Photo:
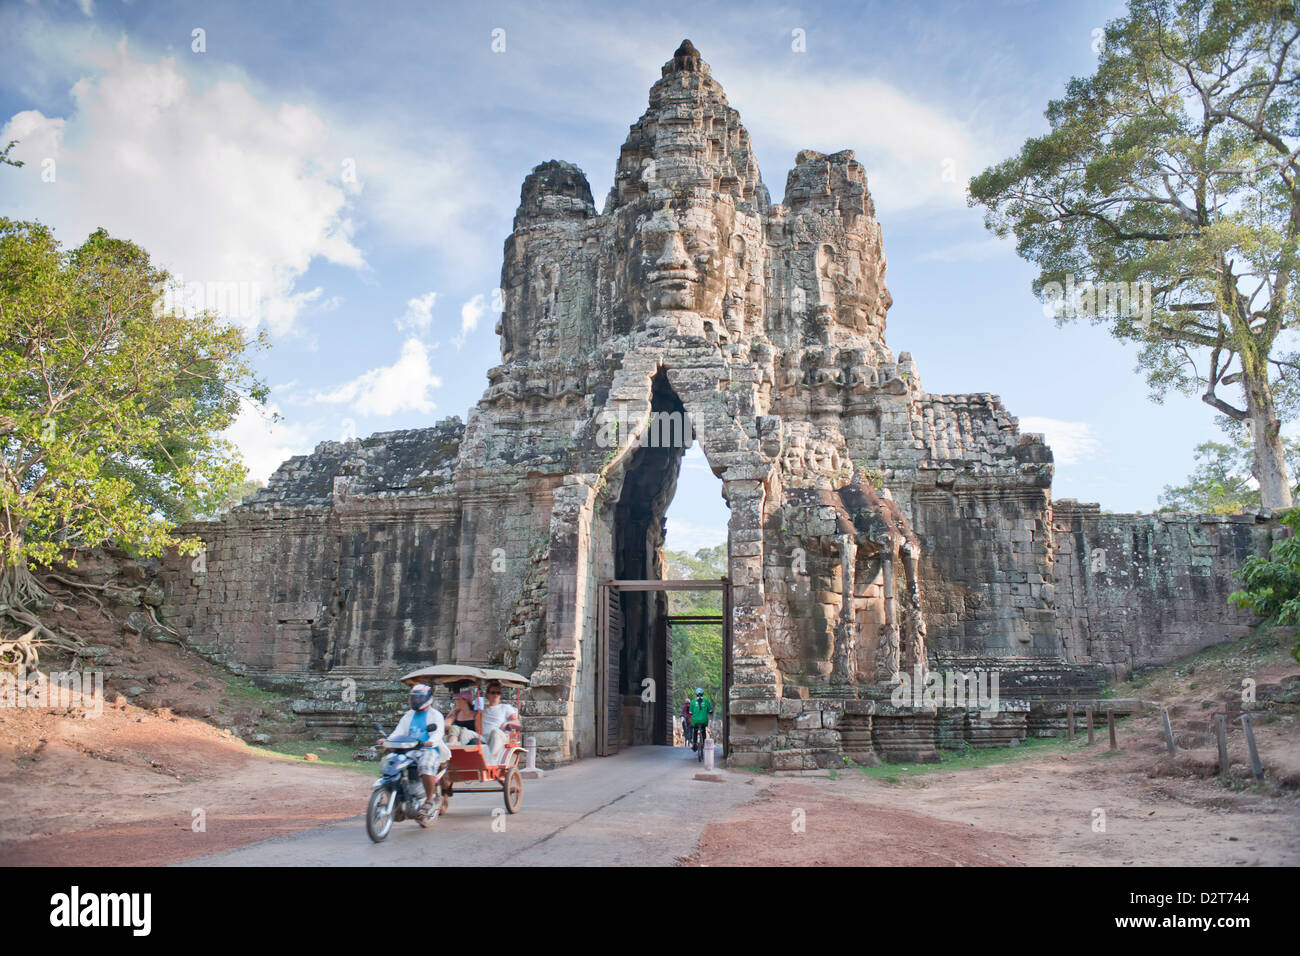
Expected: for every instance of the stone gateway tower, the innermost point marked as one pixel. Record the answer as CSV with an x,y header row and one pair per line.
x,y
874,528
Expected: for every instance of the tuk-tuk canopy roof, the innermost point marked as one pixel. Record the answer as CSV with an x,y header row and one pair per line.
x,y
455,673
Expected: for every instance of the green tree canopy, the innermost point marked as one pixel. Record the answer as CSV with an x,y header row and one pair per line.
x,y
111,408
1172,176
697,648
1271,586
1221,482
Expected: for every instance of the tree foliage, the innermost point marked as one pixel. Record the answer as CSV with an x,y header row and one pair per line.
x,y
1221,482
1271,586
1176,167
237,495
697,648
4,154
110,407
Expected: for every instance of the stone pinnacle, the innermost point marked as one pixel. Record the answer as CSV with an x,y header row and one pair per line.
x,y
686,59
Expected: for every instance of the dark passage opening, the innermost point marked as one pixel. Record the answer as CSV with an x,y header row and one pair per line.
x,y
660,602
648,488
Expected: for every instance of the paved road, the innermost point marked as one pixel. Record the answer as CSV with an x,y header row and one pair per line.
x,y
642,807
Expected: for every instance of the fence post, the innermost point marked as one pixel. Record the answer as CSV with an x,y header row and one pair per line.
x,y
1169,733
1088,713
1221,729
1255,765
1069,721
1110,725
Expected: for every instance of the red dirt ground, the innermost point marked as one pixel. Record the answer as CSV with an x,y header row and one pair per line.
x,y
122,789
1039,809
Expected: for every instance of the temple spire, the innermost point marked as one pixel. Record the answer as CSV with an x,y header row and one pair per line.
x,y
686,59
688,139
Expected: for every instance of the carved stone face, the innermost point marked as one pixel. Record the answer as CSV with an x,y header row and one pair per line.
x,y
679,259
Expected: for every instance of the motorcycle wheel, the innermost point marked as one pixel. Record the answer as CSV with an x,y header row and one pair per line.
x,y
379,814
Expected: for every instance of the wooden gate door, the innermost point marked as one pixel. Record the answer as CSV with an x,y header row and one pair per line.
x,y
726,667
609,703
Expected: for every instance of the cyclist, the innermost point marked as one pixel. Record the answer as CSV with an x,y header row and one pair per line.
x,y
701,710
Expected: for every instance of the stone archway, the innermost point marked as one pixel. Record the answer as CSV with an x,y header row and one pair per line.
x,y
872,524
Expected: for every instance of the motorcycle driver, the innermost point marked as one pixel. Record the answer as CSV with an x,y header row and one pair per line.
x,y
424,722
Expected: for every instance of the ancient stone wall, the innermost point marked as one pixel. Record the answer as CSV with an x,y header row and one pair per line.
x,y
1134,591
347,562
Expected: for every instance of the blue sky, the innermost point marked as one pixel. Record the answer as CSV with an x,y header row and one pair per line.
x,y
358,166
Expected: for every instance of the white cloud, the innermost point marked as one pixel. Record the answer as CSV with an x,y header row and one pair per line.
x,y
402,386
422,191
419,314
1071,442
914,153
470,313
220,181
263,443
218,186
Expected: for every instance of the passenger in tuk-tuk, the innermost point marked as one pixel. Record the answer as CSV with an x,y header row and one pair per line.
x,y
499,718
461,716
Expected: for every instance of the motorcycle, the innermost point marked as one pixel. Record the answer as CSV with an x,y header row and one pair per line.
x,y
399,792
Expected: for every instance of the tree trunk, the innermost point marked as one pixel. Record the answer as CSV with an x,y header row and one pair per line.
x,y
1269,467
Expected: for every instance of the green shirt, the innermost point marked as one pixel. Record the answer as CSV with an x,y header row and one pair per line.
x,y
700,708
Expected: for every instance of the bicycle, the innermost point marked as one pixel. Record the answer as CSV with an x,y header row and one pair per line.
x,y
698,736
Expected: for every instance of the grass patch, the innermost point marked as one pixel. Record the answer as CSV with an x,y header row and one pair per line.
x,y
1215,669
243,692
970,758
331,754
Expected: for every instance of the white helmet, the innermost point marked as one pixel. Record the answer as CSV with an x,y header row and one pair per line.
x,y
421,697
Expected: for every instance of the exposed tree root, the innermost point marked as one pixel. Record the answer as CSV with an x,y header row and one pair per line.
x,y
20,653
80,585
154,617
22,597
87,591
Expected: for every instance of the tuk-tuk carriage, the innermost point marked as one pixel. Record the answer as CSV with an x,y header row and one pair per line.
x,y
472,768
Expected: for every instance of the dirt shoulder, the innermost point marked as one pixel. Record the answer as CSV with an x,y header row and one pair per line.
x,y
1061,803
123,789
128,780
1036,812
